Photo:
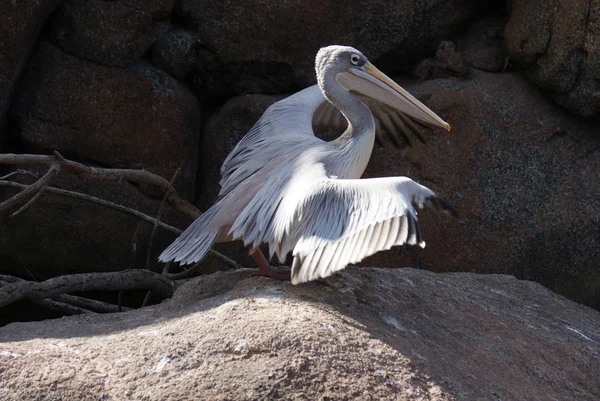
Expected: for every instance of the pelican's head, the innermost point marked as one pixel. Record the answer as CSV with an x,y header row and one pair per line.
x,y
353,72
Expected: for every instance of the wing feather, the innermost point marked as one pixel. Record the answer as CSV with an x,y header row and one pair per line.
x,y
328,223
283,127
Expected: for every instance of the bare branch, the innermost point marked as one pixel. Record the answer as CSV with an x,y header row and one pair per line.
x,y
94,199
157,221
31,190
114,281
228,261
91,305
61,307
89,198
21,172
106,174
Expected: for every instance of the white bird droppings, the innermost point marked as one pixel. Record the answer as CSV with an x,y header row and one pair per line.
x,y
241,346
161,364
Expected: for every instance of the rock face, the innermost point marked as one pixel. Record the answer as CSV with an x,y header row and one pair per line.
x,y
522,172
363,334
396,32
175,52
108,32
483,45
137,117
20,25
558,44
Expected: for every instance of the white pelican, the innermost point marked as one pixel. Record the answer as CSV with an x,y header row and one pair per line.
x,y
283,186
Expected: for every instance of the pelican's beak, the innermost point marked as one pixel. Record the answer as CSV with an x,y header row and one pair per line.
x,y
371,82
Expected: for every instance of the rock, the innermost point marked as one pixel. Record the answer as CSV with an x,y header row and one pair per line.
x,y
483,46
137,117
396,33
394,334
215,81
447,63
175,53
20,25
510,165
520,170
108,32
557,44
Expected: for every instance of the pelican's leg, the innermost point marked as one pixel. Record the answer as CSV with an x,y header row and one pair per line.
x,y
264,269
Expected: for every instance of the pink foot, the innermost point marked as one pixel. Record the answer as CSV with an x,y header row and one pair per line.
x,y
264,269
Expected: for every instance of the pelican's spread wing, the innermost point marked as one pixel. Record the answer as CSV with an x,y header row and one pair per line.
x,y
284,125
395,125
329,223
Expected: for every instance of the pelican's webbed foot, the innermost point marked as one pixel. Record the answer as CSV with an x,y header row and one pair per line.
x,y
265,270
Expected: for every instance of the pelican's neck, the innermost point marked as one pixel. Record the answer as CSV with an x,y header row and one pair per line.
x,y
360,119
355,145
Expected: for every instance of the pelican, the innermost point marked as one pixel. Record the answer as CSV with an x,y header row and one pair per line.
x,y
285,187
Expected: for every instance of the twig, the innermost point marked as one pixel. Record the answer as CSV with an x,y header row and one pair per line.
x,y
183,274
157,221
225,259
134,241
30,190
94,199
19,171
106,174
61,307
153,233
114,281
89,198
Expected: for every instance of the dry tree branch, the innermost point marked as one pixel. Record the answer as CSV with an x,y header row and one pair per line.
x,y
157,220
52,305
99,201
31,191
142,216
19,171
89,305
61,307
106,174
54,288
153,233
114,281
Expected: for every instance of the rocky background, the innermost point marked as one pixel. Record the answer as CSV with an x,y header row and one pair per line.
x,y
162,84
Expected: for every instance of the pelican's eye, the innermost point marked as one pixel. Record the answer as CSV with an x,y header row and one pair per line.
x,y
356,60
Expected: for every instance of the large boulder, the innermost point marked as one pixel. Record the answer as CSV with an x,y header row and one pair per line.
x,y
109,32
557,43
175,52
520,170
234,37
363,334
20,25
136,117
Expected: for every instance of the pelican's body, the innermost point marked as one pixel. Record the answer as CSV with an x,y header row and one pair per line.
x,y
283,186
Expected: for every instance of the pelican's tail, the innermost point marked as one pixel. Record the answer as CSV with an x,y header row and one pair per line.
x,y
195,242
